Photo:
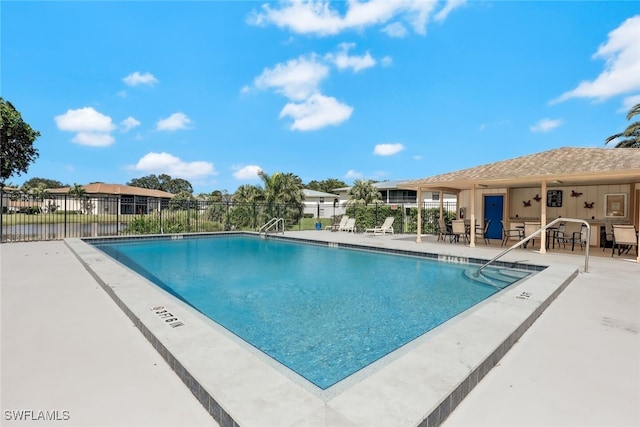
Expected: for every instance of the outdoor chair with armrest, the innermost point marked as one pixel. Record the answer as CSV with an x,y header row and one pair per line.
x,y
625,237
508,234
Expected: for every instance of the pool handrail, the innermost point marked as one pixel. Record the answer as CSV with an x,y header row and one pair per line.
x,y
273,222
534,234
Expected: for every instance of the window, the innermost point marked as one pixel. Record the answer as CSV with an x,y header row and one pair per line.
x,y
435,196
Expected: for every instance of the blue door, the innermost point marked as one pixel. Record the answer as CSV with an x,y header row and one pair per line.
x,y
493,207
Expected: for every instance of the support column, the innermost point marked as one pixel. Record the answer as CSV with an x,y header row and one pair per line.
x,y
543,217
472,234
419,236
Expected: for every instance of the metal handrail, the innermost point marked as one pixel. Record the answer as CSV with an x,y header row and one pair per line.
x,y
273,222
534,234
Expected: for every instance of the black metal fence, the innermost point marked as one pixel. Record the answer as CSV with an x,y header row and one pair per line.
x,y
53,217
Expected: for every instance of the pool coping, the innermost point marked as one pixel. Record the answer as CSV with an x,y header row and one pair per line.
x,y
420,386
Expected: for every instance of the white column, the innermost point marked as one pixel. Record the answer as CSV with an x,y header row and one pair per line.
x,y
419,236
543,217
472,238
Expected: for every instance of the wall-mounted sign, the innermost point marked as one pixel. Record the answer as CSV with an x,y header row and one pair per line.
x,y
615,205
554,198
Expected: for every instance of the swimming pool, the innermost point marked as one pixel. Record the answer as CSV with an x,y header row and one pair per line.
x,y
323,312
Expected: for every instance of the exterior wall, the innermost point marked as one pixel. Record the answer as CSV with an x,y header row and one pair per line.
x,y
515,211
572,207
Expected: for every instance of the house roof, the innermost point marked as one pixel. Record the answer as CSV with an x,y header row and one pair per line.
x,y
565,165
116,189
382,185
314,193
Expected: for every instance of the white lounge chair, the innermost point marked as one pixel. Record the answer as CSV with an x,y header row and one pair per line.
x,y
386,227
350,225
338,227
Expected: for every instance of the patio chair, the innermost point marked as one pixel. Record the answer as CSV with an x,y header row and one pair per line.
x,y
350,226
508,234
578,237
625,237
607,237
386,227
445,230
482,231
458,228
529,229
338,227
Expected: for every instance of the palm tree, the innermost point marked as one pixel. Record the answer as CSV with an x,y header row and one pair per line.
x,y
283,189
364,191
632,132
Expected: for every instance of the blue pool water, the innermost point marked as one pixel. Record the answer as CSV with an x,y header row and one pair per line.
x,y
323,312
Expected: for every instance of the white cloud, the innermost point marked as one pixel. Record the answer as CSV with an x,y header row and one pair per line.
x,y
297,79
446,10
351,174
317,16
621,74
387,149
129,123
395,30
316,112
92,127
417,157
159,163
342,60
386,61
176,121
93,139
136,79
628,103
84,119
545,125
247,173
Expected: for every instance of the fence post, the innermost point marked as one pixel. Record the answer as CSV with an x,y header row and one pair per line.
x,y
117,215
65,217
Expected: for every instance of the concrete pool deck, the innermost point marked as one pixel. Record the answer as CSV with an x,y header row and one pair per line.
x,y
66,346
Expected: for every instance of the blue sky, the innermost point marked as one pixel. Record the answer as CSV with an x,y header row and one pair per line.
x,y
212,91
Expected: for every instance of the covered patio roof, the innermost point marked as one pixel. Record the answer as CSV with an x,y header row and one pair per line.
x,y
561,166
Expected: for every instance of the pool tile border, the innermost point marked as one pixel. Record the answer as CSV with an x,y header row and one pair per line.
x,y
318,412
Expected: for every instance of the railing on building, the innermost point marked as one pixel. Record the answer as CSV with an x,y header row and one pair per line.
x,y
53,217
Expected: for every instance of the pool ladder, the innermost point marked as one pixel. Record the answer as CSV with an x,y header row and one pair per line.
x,y
277,223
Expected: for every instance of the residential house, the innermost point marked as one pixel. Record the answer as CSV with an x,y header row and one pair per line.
x,y
101,198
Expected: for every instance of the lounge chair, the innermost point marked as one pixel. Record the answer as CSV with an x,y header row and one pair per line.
x,y
350,225
386,227
625,237
338,227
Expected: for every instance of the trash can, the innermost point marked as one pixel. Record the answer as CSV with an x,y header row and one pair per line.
x,y
318,225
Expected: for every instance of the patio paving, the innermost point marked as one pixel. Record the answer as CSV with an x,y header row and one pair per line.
x,y
66,346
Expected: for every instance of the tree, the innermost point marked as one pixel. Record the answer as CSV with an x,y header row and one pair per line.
x,y
282,188
17,139
364,191
80,194
163,182
632,132
327,185
41,183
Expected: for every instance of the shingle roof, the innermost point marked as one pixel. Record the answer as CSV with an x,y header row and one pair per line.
x,y
563,164
116,189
